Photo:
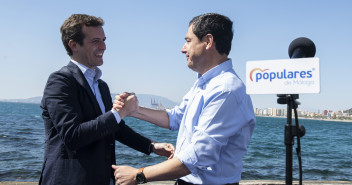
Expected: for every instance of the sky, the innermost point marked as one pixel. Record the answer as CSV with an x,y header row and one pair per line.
x,y
144,41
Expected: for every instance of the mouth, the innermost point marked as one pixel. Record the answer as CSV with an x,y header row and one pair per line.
x,y
99,55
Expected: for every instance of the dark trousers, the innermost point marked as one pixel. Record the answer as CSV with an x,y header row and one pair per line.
x,y
182,182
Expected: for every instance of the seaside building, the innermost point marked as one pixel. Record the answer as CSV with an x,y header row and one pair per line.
x,y
325,114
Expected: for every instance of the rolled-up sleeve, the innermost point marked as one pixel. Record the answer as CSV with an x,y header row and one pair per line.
x,y
196,156
176,114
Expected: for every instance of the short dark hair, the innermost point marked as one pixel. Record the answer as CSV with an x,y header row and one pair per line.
x,y
218,25
71,29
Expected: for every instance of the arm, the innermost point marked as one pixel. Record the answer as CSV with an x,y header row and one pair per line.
x,y
157,117
167,170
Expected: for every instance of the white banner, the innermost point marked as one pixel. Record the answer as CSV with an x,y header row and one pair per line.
x,y
287,76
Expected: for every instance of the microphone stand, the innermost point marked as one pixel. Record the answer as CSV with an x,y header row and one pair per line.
x,y
290,132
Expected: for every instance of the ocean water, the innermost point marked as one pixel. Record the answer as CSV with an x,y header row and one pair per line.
x,y
326,147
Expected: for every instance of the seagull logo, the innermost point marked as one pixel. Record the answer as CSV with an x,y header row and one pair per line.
x,y
256,69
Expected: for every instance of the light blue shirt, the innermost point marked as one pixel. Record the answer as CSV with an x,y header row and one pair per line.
x,y
92,77
215,122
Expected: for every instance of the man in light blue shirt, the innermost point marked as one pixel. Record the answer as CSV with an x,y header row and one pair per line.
x,y
215,119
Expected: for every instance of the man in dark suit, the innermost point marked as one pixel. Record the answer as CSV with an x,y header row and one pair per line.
x,y
80,125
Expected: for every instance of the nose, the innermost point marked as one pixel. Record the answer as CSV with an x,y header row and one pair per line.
x,y
183,49
102,45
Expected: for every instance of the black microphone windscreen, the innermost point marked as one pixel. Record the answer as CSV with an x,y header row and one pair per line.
x,y
304,44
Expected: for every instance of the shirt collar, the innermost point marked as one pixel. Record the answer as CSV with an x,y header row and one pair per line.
x,y
215,71
96,73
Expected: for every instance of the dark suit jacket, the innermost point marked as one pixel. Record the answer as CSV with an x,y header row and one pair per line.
x,y
79,139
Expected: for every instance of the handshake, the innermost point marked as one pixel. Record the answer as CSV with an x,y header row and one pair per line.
x,y
126,104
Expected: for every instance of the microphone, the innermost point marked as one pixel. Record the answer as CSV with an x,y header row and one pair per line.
x,y
301,48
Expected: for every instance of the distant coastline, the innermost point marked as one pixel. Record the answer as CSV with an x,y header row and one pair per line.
x,y
145,101
335,120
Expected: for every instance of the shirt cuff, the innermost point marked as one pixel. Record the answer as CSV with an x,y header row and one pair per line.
x,y
151,146
117,116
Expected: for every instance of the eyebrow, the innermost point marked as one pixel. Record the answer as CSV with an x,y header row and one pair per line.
x,y
97,38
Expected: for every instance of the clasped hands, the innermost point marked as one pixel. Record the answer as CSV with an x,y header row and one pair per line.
x,y
126,104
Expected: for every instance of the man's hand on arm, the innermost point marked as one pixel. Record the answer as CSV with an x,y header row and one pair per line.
x,y
125,175
167,170
163,149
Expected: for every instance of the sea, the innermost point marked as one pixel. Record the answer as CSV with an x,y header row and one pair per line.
x,y
326,148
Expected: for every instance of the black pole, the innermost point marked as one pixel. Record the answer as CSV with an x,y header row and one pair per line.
x,y
289,141
299,48
290,131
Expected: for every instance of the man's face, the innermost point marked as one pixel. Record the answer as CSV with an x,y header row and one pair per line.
x,y
194,50
90,53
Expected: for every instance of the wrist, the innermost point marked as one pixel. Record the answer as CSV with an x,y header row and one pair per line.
x,y
121,113
135,113
152,147
140,177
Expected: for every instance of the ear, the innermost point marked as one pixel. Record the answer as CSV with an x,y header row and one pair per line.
x,y
209,40
73,45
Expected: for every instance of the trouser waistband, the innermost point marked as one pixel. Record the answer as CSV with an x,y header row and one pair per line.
x,y
182,182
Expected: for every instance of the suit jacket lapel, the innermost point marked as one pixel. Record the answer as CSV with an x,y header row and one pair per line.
x,y
105,95
78,75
